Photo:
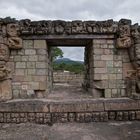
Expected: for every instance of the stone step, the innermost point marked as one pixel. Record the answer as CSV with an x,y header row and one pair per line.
x,y
85,110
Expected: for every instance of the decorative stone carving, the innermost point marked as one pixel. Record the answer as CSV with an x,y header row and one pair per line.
x,y
4,72
4,52
63,27
12,29
124,42
15,43
124,39
133,84
59,27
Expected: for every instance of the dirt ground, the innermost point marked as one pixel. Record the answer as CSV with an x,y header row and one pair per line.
x,y
68,91
71,131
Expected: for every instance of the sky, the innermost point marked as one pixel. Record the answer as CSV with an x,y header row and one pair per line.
x,y
71,10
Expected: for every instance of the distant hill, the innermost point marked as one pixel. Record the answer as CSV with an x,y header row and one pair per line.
x,y
67,61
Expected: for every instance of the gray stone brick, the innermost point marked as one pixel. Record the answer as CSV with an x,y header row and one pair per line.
x,y
34,85
30,64
20,72
13,52
41,71
112,76
99,64
106,57
42,57
30,52
118,70
112,84
24,58
20,65
96,57
111,46
117,63
100,70
27,44
21,52
119,76
41,51
107,93
104,46
98,51
41,65
33,58
17,58
110,41
40,44
31,71
109,63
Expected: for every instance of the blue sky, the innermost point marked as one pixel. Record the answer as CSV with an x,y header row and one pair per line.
x,y
71,10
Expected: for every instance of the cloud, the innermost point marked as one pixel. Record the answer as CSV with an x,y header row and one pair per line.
x,y
74,53
71,10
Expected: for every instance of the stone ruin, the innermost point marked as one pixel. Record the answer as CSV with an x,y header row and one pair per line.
x,y
112,62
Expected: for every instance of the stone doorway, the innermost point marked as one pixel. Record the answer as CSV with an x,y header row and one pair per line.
x,y
66,84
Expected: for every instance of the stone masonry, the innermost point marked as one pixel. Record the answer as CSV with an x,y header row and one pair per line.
x,y
112,50
30,70
67,77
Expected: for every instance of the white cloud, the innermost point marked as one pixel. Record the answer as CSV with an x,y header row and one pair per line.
x,y
74,53
71,10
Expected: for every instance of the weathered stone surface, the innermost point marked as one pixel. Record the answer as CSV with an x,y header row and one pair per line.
x,y
76,107
4,52
124,104
5,90
24,106
12,29
40,44
4,73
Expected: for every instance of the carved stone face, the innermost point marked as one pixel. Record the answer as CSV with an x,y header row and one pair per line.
x,y
12,29
4,52
124,42
3,72
124,30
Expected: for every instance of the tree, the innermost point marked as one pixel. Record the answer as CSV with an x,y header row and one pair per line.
x,y
56,53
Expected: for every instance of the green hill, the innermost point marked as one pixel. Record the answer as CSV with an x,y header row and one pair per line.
x,y
69,65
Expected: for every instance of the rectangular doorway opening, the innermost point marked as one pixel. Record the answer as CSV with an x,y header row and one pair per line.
x,y
69,71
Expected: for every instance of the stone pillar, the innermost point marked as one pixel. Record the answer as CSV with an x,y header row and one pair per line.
x,y
30,77
107,68
5,80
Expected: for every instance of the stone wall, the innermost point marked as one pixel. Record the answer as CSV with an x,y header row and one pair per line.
x,y
67,77
30,69
112,56
46,112
106,69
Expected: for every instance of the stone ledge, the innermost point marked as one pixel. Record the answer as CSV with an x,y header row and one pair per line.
x,y
71,105
53,111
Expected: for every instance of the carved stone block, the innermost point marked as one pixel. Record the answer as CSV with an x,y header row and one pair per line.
x,y
12,29
80,117
15,43
71,117
124,31
124,42
4,72
112,115
4,52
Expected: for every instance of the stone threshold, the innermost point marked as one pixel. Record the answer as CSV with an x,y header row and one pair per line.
x,y
71,110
